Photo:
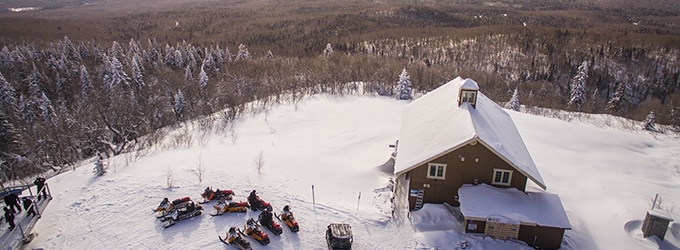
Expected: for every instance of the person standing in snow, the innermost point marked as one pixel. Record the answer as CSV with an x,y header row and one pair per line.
x,y
11,200
9,217
39,184
27,206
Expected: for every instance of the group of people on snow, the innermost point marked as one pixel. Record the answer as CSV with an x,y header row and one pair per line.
x,y
12,202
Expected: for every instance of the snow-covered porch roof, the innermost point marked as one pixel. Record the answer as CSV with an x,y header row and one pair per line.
x,y
540,208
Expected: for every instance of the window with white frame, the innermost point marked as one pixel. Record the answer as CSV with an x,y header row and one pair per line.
x,y
502,177
436,171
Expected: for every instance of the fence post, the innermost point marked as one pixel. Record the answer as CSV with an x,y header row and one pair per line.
x,y
313,200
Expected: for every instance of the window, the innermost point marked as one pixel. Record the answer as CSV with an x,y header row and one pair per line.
x,y
469,96
436,171
502,177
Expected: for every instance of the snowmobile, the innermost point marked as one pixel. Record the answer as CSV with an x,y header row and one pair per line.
x,y
267,221
210,194
254,231
236,240
166,207
339,236
289,219
230,207
256,203
182,211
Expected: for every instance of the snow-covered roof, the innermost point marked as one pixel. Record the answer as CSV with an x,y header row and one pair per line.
x,y
434,125
540,208
660,214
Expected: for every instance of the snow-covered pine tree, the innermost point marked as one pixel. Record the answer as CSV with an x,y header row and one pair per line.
x,y
328,51
218,55
243,53
203,79
208,62
620,98
179,59
47,110
648,123
118,77
513,104
8,95
404,90
86,87
227,55
169,55
188,75
27,109
180,104
578,86
117,52
137,72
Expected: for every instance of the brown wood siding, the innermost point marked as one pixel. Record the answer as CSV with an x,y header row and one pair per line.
x,y
461,172
541,237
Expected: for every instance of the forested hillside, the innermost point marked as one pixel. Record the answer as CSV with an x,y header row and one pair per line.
x,y
73,85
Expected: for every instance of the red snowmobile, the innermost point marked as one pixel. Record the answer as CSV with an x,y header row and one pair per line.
x,y
266,219
210,194
256,203
288,218
252,228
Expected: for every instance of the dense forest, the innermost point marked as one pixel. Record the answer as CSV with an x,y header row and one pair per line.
x,y
65,99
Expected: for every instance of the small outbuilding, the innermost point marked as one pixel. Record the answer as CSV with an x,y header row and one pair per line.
x,y
656,223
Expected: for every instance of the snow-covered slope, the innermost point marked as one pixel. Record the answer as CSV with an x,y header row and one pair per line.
x,y
605,179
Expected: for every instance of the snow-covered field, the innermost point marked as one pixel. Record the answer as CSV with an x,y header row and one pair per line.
x,y
606,179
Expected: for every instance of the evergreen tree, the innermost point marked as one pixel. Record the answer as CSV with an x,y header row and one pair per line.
x,y
203,81
137,72
578,86
27,109
620,99
243,53
180,104
648,123
513,104
219,57
227,55
404,90
7,94
208,62
179,59
188,76
47,110
169,55
86,88
116,77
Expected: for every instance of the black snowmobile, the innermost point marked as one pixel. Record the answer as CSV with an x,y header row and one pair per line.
x,y
181,211
237,241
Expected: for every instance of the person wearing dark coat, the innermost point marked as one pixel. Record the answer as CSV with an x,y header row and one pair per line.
x,y
14,202
11,200
27,206
9,217
39,184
